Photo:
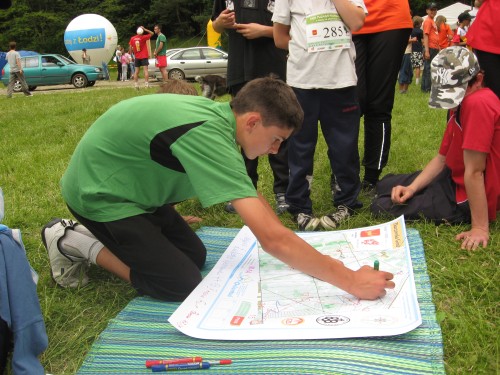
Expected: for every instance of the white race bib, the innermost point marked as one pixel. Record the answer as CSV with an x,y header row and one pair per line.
x,y
325,32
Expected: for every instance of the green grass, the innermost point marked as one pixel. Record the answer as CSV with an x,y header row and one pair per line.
x,y
39,134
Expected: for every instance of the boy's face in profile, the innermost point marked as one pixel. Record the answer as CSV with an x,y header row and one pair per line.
x,y
263,140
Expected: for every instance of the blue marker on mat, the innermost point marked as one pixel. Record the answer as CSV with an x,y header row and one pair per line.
x,y
376,264
181,366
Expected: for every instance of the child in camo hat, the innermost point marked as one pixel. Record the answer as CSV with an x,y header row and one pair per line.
x,y
461,184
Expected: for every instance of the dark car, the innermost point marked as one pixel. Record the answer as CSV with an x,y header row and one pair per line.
x,y
52,69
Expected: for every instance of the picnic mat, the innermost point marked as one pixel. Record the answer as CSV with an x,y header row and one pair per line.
x,y
141,332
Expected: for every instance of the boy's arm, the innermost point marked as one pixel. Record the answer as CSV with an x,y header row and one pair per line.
x,y
475,165
281,34
352,15
400,194
282,243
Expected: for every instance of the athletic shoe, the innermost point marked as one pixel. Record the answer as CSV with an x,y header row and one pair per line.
x,y
229,208
368,188
281,205
306,222
336,218
67,271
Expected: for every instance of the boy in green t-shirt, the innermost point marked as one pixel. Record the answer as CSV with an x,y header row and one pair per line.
x,y
147,153
160,51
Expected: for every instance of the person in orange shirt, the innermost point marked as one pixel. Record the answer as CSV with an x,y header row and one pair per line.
x,y
380,46
431,45
444,32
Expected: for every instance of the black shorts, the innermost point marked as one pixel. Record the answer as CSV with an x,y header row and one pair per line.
x,y
164,254
437,202
141,62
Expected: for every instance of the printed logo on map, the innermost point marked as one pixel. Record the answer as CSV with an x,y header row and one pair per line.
x,y
332,320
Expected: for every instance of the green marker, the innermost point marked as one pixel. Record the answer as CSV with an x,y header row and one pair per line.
x,y
375,265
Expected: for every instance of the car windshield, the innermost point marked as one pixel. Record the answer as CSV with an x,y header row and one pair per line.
x,y
66,60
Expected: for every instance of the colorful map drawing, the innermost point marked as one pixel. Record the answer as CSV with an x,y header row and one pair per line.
x,y
250,295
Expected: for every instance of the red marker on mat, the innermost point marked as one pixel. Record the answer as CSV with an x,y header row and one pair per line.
x,y
152,362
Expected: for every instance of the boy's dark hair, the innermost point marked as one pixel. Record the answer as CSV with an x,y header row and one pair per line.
x,y
273,99
12,45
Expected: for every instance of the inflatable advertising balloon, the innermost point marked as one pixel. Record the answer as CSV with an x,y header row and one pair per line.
x,y
94,33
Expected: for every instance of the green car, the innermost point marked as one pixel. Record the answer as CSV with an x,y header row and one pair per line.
x,y
52,69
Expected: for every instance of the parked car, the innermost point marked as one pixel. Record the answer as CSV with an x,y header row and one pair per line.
x,y
187,63
153,70
53,69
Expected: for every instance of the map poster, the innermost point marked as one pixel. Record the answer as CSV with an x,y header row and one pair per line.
x,y
250,295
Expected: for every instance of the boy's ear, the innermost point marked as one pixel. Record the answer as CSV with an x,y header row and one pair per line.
x,y
253,118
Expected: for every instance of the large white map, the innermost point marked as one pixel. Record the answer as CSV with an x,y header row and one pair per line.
x,y
250,295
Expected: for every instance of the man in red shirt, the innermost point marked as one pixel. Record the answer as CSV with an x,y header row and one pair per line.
x,y
139,46
431,45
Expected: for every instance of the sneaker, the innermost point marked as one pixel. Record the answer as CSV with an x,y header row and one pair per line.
x,y
66,270
333,220
368,188
306,222
229,208
146,85
281,205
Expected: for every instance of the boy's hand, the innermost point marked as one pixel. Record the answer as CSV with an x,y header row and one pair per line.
x,y
250,30
400,194
370,284
226,19
473,238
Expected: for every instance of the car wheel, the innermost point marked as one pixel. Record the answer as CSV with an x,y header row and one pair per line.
x,y
176,74
17,86
79,80
91,83
31,88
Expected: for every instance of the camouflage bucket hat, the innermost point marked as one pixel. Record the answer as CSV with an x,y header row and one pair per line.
x,y
451,70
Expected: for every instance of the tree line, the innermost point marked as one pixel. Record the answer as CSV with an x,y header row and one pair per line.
x,y
39,25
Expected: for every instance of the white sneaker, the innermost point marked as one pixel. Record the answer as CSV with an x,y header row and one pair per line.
x,y
307,222
67,270
333,220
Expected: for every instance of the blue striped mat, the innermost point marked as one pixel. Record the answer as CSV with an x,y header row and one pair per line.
x,y
141,332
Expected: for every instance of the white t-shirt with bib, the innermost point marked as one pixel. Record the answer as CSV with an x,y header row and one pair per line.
x,y
321,51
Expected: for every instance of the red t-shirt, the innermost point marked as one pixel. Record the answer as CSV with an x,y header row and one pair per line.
x,y
139,45
430,29
478,130
484,33
383,16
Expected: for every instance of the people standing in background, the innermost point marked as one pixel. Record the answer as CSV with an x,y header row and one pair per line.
x,y
85,57
406,71
138,45
252,54
124,62
460,38
484,37
380,46
160,52
16,71
431,45
118,60
417,56
444,32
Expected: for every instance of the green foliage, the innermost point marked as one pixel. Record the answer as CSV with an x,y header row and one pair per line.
x,y
40,133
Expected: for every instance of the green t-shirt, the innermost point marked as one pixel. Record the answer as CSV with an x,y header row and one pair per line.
x,y
163,50
153,150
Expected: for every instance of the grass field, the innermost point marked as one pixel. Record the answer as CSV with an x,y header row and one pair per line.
x,y
39,134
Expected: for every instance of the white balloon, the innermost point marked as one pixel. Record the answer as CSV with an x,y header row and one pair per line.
x,y
93,32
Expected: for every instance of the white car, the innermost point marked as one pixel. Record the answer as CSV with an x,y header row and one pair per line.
x,y
187,63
